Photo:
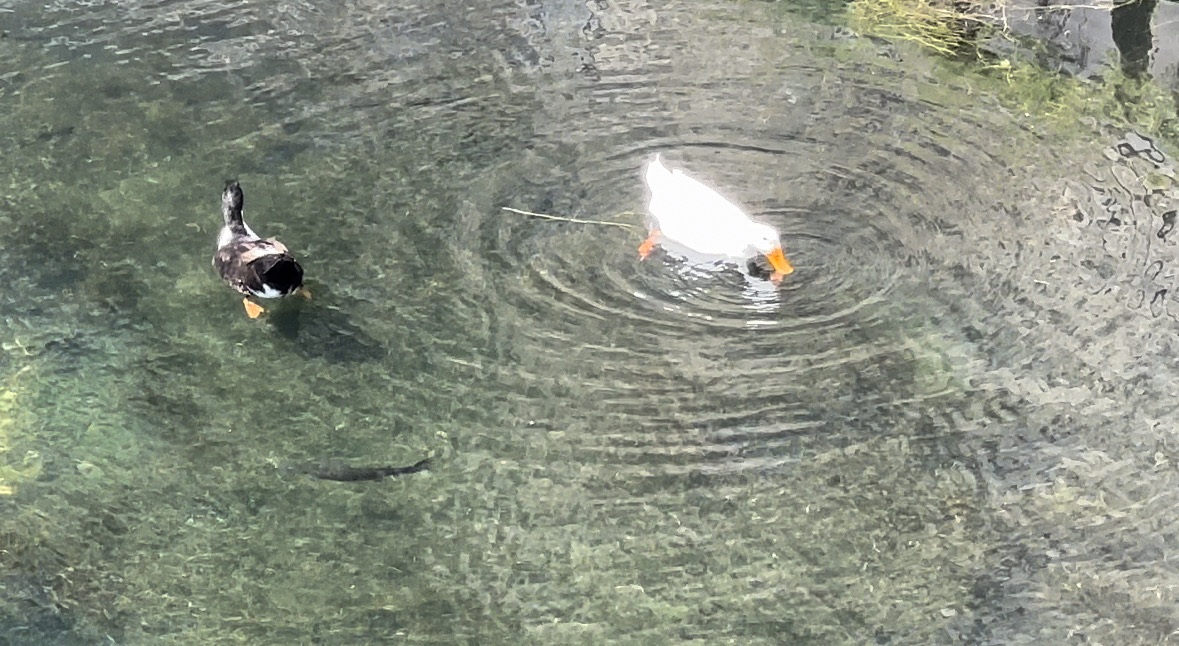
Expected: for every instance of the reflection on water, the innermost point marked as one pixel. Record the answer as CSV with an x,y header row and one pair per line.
x,y
950,423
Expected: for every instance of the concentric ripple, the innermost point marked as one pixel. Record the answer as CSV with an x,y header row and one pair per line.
x,y
710,368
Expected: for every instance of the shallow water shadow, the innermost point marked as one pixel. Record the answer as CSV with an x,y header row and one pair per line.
x,y
327,333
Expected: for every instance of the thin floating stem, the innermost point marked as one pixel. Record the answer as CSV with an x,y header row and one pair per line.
x,y
561,219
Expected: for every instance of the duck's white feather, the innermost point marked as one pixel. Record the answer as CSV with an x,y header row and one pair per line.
x,y
226,235
691,214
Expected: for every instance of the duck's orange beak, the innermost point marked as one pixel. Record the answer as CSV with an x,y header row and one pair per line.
x,y
779,263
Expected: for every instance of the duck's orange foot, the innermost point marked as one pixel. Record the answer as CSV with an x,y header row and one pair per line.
x,y
305,293
253,310
649,244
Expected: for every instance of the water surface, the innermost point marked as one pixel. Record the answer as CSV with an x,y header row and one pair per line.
x,y
952,423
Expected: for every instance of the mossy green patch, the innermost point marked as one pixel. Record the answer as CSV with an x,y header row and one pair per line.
x,y
1016,78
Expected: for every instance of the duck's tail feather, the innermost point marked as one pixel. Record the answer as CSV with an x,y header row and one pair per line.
x,y
281,272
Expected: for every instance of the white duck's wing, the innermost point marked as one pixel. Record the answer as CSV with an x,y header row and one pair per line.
x,y
692,214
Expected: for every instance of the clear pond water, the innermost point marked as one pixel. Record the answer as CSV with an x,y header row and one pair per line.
x,y
953,424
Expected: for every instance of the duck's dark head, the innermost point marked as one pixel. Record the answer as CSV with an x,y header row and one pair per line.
x,y
232,202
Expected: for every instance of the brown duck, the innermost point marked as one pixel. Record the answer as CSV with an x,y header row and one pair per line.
x,y
262,268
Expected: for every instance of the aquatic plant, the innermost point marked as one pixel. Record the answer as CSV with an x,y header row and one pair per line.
x,y
932,24
993,60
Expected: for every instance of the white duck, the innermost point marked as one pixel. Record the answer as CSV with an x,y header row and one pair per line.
x,y
687,213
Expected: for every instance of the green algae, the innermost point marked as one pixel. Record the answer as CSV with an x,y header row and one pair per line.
x,y
1017,78
931,24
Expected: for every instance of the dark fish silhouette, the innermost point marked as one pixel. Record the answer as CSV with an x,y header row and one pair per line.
x,y
341,472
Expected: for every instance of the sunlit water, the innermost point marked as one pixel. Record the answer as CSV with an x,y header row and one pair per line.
x,y
952,423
